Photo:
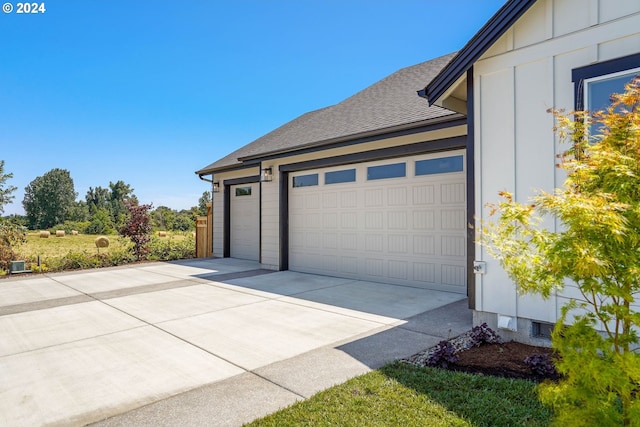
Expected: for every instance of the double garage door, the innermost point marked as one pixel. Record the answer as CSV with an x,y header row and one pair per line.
x,y
399,221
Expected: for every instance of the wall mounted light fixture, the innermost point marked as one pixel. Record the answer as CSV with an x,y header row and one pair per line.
x,y
266,174
216,187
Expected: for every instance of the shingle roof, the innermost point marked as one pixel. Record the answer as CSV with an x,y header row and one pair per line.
x,y
385,105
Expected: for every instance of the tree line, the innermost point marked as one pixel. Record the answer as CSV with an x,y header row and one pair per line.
x,y
50,201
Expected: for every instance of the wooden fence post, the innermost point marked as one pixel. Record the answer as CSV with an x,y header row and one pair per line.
x,y
201,237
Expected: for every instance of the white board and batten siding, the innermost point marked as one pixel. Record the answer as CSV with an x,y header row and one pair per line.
x,y
527,71
408,230
245,221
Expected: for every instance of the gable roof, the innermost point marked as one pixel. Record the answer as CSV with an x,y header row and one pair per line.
x,y
499,23
385,106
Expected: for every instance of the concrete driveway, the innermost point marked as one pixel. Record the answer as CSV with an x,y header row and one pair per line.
x,y
198,342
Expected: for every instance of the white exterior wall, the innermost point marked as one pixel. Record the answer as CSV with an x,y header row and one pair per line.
x,y
270,221
527,71
270,191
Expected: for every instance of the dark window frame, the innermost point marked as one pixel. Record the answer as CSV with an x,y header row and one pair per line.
x,y
600,69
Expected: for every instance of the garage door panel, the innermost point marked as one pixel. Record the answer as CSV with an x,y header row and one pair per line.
x,y
397,220
453,219
245,221
452,193
424,195
406,230
349,199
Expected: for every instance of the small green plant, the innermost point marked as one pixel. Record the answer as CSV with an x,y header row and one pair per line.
x,y
597,249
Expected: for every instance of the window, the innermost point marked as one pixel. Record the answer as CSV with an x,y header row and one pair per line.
x,y
336,177
441,165
305,180
243,191
599,89
594,84
396,170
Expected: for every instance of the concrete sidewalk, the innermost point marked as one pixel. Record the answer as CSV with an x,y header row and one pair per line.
x,y
200,342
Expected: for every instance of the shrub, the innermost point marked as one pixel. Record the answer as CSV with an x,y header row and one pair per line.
x,y
171,249
483,334
541,364
10,236
120,256
443,355
137,227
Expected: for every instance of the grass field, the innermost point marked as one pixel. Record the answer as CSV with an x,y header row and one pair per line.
x,y
57,246
79,251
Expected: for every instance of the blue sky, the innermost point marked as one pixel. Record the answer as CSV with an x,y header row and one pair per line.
x,y
148,92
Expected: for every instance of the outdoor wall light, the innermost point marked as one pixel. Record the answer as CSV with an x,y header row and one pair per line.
x,y
216,187
266,174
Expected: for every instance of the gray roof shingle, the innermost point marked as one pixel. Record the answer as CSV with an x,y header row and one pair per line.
x,y
389,103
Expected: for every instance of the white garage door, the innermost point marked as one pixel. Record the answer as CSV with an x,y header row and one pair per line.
x,y
245,220
399,221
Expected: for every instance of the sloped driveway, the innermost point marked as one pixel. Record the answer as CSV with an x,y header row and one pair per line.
x,y
211,342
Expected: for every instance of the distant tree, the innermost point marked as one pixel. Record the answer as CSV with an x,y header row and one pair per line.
x,y
184,221
121,194
101,223
49,198
202,203
16,219
163,218
137,227
79,212
5,191
98,198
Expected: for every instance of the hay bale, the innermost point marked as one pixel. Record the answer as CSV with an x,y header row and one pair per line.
x,y
74,232
44,234
102,242
59,233
162,233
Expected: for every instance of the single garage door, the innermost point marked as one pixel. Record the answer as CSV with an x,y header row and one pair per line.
x,y
399,221
245,221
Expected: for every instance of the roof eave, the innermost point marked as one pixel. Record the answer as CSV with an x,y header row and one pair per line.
x,y
226,168
499,23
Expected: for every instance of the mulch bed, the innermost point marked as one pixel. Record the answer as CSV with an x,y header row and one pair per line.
x,y
502,360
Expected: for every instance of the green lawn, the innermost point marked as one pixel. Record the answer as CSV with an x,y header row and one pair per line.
x,y
403,395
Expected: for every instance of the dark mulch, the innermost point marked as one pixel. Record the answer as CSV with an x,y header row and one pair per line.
x,y
502,360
